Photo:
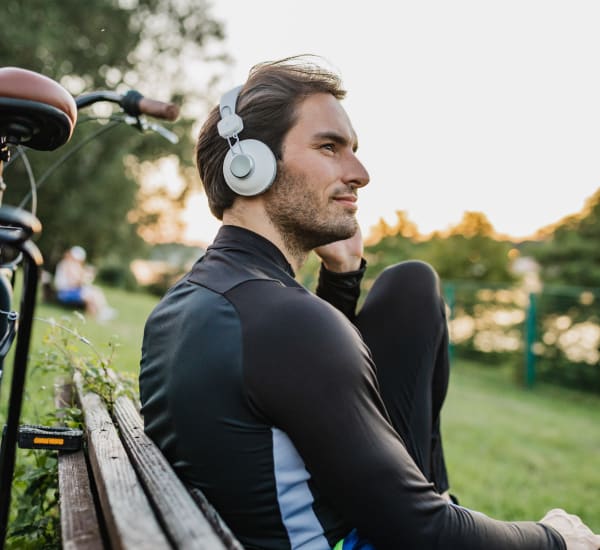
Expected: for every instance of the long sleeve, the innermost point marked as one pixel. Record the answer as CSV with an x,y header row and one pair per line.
x,y
438,463
321,390
341,290
439,389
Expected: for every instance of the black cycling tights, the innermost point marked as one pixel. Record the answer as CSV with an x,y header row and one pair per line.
x,y
403,321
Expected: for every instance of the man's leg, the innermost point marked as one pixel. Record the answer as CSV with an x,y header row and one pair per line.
x,y
403,322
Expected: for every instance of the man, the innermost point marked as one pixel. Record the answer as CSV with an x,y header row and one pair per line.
x,y
264,395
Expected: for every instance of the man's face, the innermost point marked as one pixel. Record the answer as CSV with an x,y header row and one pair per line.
x,y
313,200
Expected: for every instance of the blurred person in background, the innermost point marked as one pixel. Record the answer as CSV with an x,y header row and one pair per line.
x,y
73,284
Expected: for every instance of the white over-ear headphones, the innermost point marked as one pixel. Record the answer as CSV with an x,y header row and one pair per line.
x,y
250,165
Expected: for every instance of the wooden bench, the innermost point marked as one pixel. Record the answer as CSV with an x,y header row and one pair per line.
x,y
120,491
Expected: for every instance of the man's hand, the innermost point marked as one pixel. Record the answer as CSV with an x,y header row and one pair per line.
x,y
576,534
342,256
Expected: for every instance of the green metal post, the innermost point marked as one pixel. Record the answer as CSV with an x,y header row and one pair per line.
x,y
530,338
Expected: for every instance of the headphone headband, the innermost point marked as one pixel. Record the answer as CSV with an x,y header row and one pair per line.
x,y
230,124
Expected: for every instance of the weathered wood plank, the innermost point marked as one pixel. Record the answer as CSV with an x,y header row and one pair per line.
x,y
130,521
78,520
187,526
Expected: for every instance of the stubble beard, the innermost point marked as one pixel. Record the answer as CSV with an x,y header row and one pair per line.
x,y
304,223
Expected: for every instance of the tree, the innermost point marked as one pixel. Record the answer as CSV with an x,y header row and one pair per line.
x,y
471,252
473,224
567,310
468,251
168,49
571,255
403,227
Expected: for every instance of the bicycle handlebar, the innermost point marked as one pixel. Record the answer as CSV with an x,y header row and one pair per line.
x,y
133,103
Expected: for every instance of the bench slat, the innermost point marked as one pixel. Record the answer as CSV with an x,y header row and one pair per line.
x,y
78,520
185,523
79,523
130,521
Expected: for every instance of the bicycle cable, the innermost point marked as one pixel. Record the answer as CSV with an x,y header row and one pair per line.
x,y
66,156
33,190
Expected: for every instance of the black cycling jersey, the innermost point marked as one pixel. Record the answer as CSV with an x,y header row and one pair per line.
x,y
265,397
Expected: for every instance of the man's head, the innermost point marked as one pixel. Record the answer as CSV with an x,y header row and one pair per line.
x,y
295,110
268,106
78,253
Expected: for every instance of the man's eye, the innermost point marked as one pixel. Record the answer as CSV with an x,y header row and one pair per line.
x,y
328,146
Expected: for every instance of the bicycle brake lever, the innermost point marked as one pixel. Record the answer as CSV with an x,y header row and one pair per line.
x,y
162,131
142,124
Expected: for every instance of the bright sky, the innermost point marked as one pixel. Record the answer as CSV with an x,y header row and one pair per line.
x,y
480,105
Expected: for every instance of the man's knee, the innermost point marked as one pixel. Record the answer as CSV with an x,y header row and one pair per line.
x,y
415,277
404,301
412,287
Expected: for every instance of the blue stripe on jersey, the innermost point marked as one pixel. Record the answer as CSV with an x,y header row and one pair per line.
x,y
294,497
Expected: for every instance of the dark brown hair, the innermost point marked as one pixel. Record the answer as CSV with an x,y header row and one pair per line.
x,y
267,104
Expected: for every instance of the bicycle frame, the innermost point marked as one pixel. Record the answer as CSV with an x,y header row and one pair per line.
x,y
31,268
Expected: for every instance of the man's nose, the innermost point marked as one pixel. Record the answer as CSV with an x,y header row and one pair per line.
x,y
357,173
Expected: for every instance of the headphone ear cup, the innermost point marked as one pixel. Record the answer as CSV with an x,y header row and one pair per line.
x,y
262,172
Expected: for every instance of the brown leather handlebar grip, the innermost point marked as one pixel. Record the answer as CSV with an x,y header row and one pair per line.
x,y
158,109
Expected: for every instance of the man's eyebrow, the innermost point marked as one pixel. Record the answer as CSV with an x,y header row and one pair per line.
x,y
337,138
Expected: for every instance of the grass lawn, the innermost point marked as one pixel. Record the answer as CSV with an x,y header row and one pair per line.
x,y
514,453
511,453
125,332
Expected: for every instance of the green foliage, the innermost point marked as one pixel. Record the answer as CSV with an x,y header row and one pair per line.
x,y
391,250
571,255
308,274
567,325
117,274
35,523
470,251
487,322
155,46
62,353
478,258
568,316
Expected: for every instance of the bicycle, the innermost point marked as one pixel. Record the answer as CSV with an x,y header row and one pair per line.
x,y
38,113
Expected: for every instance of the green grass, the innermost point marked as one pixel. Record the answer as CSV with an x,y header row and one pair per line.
x,y
514,453
511,453
125,331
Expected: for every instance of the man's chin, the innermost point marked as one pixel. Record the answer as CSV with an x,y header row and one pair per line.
x,y
341,232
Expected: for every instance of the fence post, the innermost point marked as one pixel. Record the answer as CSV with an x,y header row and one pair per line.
x,y
530,338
